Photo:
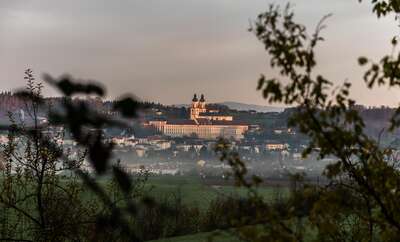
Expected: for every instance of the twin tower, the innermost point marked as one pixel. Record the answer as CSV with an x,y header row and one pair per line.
x,y
198,106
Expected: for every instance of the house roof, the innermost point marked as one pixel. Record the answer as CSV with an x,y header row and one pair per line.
x,y
181,122
223,122
204,121
213,114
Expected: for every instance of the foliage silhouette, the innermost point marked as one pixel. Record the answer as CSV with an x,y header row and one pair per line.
x,y
85,125
38,204
360,201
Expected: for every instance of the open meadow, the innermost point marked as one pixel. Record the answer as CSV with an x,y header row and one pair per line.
x,y
196,191
200,192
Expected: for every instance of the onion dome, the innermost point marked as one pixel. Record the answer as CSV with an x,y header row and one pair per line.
x,y
195,98
202,99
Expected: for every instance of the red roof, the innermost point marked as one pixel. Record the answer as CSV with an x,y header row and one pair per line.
x,y
181,122
204,121
222,122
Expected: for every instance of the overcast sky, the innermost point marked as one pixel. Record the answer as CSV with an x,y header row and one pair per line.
x,y
165,50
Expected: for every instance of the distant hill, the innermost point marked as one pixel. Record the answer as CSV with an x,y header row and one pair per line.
x,y
242,107
246,107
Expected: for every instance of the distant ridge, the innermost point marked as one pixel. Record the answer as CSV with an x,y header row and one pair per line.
x,y
246,107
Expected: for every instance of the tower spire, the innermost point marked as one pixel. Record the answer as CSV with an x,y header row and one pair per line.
x,y
202,99
195,98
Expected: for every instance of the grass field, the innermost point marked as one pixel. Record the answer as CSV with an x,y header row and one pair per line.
x,y
203,237
195,191
198,192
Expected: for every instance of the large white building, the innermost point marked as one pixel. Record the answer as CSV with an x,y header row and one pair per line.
x,y
201,123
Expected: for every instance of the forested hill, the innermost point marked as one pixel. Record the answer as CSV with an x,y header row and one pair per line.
x,y
248,107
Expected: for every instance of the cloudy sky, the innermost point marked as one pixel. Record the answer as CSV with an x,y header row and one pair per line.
x,y
165,50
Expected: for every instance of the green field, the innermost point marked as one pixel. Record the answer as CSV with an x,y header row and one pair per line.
x,y
198,192
202,237
195,191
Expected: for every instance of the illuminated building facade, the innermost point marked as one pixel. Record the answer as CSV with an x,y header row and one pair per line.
x,y
201,123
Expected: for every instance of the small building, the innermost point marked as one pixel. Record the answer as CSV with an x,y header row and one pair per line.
x,y
276,146
3,139
297,156
140,152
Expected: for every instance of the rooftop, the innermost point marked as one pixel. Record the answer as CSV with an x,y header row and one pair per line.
x,y
203,121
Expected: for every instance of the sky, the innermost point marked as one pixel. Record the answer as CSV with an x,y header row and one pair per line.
x,y
166,50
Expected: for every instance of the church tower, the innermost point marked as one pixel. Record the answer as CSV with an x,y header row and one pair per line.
x,y
202,104
197,107
194,109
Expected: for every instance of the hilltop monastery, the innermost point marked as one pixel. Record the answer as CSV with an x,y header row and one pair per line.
x,y
203,123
